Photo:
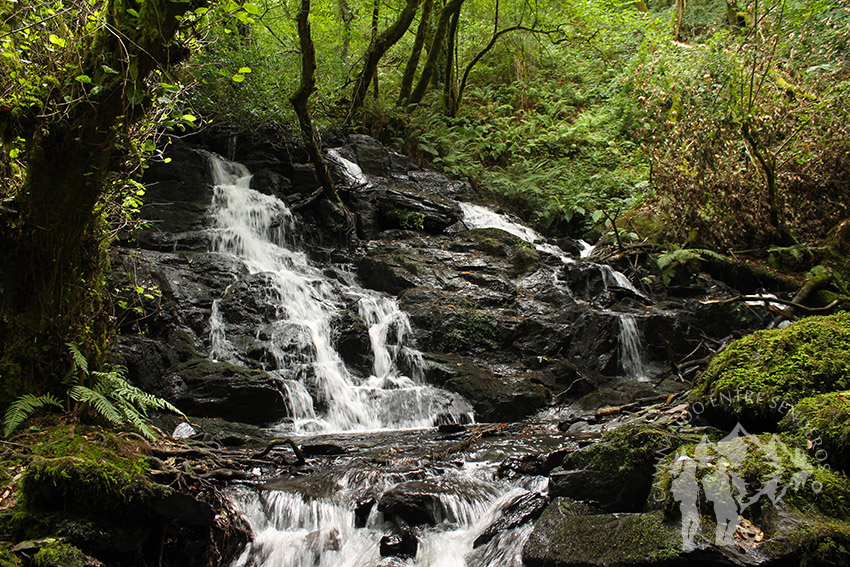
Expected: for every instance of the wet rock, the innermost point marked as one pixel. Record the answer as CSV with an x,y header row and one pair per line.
x,y
566,537
535,464
407,210
362,509
494,397
219,389
402,543
312,449
517,512
272,183
415,502
351,340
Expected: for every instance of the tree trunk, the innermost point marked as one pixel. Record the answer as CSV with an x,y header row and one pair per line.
x,y
376,51
767,164
53,242
347,16
430,67
301,97
450,92
415,53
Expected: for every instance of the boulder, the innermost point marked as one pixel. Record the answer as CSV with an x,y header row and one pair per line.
x,y
756,379
567,536
823,421
416,502
617,472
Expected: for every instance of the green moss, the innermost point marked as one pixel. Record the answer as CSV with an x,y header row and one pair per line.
x,y
523,260
823,420
761,461
85,469
750,380
58,554
7,558
405,218
471,329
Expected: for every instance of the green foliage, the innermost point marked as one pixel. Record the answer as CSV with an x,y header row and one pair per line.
x,y
23,407
682,263
109,395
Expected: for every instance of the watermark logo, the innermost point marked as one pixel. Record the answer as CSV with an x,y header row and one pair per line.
x,y
714,475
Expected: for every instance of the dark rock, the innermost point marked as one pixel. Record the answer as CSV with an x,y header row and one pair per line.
x,y
362,509
451,428
304,178
220,389
535,464
402,543
312,449
351,339
272,183
407,210
416,502
372,157
517,512
494,397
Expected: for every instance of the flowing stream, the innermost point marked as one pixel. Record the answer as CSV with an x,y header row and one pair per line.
x,y
329,514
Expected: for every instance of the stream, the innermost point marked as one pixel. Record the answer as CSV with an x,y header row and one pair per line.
x,y
332,513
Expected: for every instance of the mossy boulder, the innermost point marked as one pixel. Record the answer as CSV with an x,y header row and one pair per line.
x,y
758,377
617,471
824,422
59,554
781,505
567,535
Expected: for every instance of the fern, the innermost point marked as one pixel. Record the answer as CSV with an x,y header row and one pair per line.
x,y
78,359
21,409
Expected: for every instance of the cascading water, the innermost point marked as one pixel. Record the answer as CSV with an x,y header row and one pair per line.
x,y
255,228
476,216
631,348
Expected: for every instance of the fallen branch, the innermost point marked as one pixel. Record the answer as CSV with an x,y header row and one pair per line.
x,y
769,300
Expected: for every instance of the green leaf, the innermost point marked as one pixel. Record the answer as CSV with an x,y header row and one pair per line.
x,y
237,78
132,12
83,79
244,70
108,69
189,118
251,9
56,40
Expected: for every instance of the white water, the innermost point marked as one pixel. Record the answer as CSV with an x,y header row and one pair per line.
x,y
476,216
631,348
293,529
350,170
254,227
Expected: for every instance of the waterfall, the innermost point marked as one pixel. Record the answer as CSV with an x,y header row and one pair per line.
x,y
476,216
631,348
257,229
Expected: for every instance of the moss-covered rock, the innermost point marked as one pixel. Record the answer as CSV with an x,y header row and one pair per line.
x,y
756,378
566,535
617,472
823,421
792,509
60,554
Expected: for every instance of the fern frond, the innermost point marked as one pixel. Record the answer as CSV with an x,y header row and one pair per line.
x,y
78,360
21,409
97,401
